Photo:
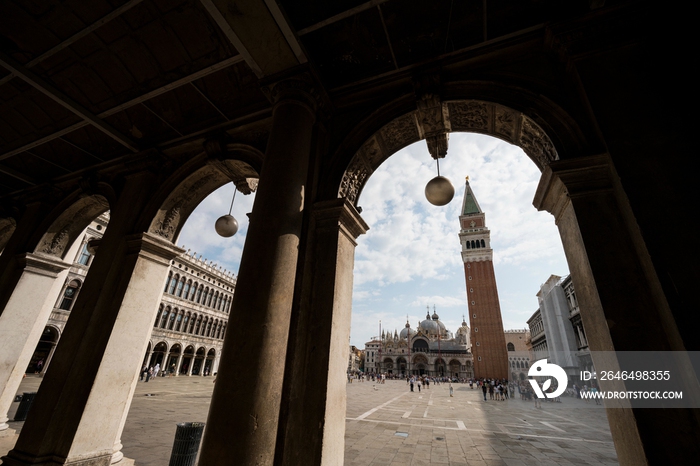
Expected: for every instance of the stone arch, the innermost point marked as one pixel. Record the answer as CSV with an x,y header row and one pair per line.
x,y
160,352
44,349
436,121
420,359
420,344
69,224
455,367
176,199
7,227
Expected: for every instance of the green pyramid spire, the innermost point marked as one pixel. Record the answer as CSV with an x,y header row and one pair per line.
x,y
470,205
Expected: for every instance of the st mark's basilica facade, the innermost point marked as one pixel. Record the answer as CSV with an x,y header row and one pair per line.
x,y
429,350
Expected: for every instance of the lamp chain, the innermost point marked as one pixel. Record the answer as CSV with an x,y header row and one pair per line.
x,y
234,197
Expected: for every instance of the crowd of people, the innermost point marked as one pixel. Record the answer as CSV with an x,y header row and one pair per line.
x,y
492,389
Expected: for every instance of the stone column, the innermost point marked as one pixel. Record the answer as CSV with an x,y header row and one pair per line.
x,y
313,430
24,318
80,409
179,363
48,358
622,305
259,324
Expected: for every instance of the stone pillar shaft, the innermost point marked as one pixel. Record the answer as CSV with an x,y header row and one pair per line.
x,y
314,426
23,320
179,363
622,305
79,410
249,381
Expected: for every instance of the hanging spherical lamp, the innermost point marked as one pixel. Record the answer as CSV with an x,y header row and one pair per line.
x,y
227,225
439,191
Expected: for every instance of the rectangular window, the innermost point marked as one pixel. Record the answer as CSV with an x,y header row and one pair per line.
x,y
84,257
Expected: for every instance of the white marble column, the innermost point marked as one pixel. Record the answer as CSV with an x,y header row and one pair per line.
x,y
88,391
23,320
179,364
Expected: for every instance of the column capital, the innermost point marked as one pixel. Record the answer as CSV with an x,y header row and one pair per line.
x,y
299,88
340,213
564,180
41,264
155,248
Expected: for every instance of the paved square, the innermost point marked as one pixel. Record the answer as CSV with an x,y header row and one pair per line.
x,y
387,425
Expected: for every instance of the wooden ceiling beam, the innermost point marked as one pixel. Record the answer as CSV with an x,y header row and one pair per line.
x,y
75,37
149,95
60,98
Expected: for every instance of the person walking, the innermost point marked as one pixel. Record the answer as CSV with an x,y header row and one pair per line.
x,y
411,382
144,371
172,370
419,384
484,389
149,374
156,370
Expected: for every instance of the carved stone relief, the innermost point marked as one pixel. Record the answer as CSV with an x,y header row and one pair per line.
x,y
536,144
59,237
469,115
7,227
504,122
433,123
246,185
185,198
399,133
353,180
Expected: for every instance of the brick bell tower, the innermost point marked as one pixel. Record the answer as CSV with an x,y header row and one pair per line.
x,y
487,338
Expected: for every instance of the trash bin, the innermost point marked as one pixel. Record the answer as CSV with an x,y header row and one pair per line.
x,y
24,404
186,445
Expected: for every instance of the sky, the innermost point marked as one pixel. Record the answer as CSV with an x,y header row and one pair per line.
x,y
410,257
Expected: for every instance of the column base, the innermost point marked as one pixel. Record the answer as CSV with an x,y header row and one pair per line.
x,y
124,462
8,439
15,458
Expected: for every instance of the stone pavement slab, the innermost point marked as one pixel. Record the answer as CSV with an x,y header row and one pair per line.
x,y
388,425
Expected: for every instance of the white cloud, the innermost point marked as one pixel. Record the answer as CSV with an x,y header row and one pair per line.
x,y
410,257
412,242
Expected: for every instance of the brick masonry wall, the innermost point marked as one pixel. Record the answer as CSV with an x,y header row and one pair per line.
x,y
487,326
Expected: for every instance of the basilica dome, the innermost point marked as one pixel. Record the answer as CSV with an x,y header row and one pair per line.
x,y
432,325
406,332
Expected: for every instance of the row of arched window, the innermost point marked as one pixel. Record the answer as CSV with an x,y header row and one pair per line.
x,y
519,365
474,244
198,293
187,322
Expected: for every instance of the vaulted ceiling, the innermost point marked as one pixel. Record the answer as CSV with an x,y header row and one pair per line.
x,y
83,84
